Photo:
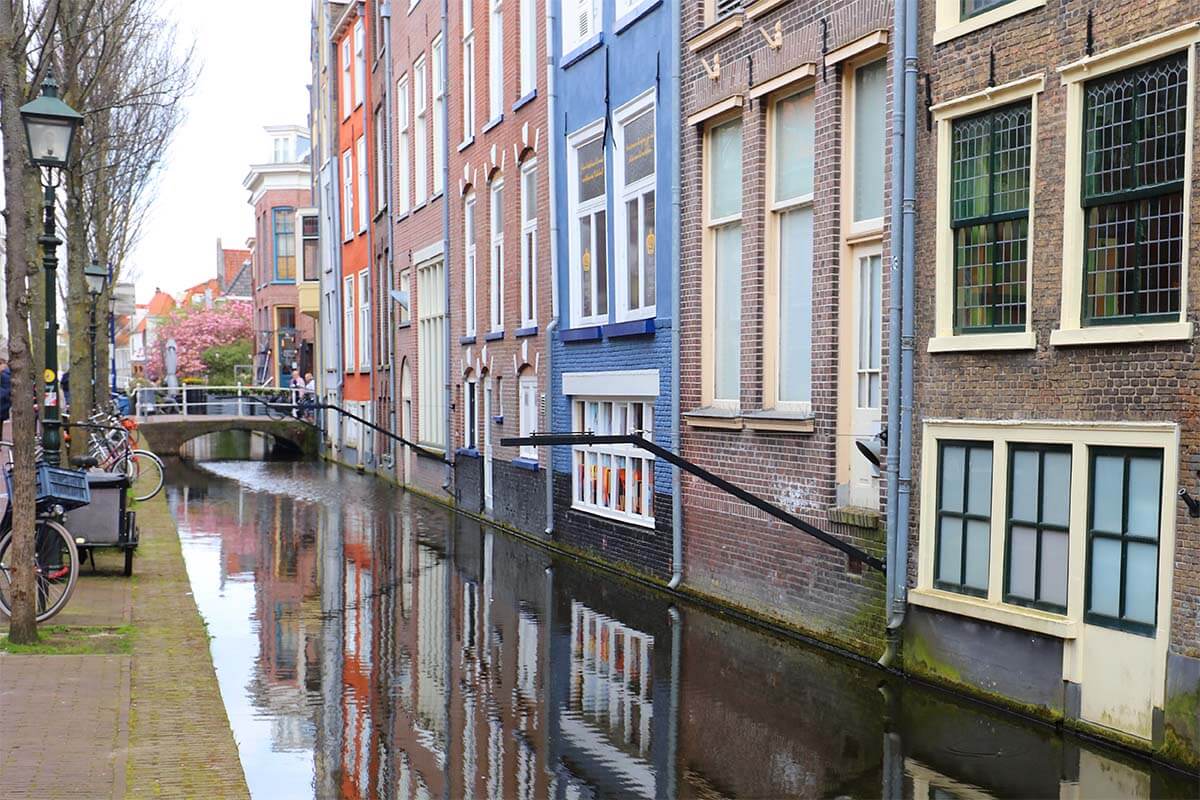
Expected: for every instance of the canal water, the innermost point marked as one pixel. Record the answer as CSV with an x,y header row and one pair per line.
x,y
370,644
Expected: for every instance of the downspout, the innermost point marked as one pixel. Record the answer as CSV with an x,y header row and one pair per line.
x,y
676,475
552,138
366,128
385,16
334,127
448,484
900,319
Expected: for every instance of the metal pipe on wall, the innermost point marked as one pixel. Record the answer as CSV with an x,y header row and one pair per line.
x,y
446,395
676,475
551,106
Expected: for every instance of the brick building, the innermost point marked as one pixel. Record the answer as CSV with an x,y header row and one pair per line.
x,y
500,280
281,195
421,249
1056,226
614,136
783,306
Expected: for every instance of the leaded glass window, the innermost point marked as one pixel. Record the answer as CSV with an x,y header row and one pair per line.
x,y
1135,139
989,212
1039,510
972,8
964,517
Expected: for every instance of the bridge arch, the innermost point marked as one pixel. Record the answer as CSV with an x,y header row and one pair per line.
x,y
166,434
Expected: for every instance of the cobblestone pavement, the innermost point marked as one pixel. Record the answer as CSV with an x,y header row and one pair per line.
x,y
150,724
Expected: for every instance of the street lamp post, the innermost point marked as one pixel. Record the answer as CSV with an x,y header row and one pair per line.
x,y
96,276
50,126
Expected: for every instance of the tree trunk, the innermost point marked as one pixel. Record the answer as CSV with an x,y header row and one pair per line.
x,y
23,625
79,309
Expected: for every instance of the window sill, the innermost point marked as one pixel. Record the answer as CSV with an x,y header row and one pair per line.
x,y
722,418
716,32
1122,334
525,463
467,452
494,336
615,516
380,213
493,123
760,7
780,421
404,325
401,216
585,334
465,143
524,101
498,419
1029,619
582,50
530,330
466,340
633,327
985,19
972,342
855,516
633,16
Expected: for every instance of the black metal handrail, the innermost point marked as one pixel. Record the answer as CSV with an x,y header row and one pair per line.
x,y
585,439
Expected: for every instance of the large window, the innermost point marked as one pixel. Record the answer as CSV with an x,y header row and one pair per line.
x,y
402,156
469,277
439,117
420,145
528,32
431,353
468,72
870,121
527,388
495,60
869,336
724,231
360,64
347,195
496,258
283,228
587,218
529,224
311,244
347,78
989,212
792,130
364,320
348,323
614,480
964,511
635,238
581,21
1135,143
360,155
1039,517
1124,505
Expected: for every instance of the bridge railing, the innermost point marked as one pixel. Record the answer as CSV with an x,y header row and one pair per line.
x,y
206,400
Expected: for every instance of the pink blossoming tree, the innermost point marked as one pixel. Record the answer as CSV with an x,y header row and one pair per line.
x,y
195,331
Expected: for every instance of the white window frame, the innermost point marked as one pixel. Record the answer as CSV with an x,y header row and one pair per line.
x,y
527,413
364,321
496,256
403,173
470,413
868,226
950,24
636,191
587,495
470,262
347,195
360,156
468,73
585,14
495,60
528,34
431,353
347,80
711,228
439,115
577,210
420,136
360,63
529,252
349,335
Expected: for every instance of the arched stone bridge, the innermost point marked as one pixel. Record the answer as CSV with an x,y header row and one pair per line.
x,y
167,433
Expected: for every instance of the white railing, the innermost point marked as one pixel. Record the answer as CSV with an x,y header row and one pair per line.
x,y
240,401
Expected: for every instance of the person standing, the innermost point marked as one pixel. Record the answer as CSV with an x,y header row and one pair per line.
x,y
5,395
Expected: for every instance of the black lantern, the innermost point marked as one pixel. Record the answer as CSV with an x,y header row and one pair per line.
x,y
96,276
50,126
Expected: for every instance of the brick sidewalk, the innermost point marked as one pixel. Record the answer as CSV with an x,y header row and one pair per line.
x,y
146,725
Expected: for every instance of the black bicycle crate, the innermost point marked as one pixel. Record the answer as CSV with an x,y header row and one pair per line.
x,y
57,486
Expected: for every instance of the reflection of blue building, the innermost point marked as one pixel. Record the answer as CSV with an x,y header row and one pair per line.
x,y
616,142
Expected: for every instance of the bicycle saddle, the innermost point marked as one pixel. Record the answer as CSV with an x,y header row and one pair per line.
x,y
84,462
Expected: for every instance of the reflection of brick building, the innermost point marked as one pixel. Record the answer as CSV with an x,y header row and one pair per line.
x,y
281,192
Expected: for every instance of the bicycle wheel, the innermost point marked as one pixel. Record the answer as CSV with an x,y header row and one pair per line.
x,y
56,568
145,472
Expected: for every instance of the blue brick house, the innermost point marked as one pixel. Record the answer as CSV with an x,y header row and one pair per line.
x,y
615,134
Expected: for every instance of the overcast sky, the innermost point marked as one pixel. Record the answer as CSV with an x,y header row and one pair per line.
x,y
254,72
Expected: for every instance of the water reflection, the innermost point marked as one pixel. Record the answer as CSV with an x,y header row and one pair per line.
x,y
370,644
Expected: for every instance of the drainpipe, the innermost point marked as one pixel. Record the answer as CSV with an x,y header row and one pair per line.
x,y
366,128
385,17
333,125
552,138
900,318
449,482
676,475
